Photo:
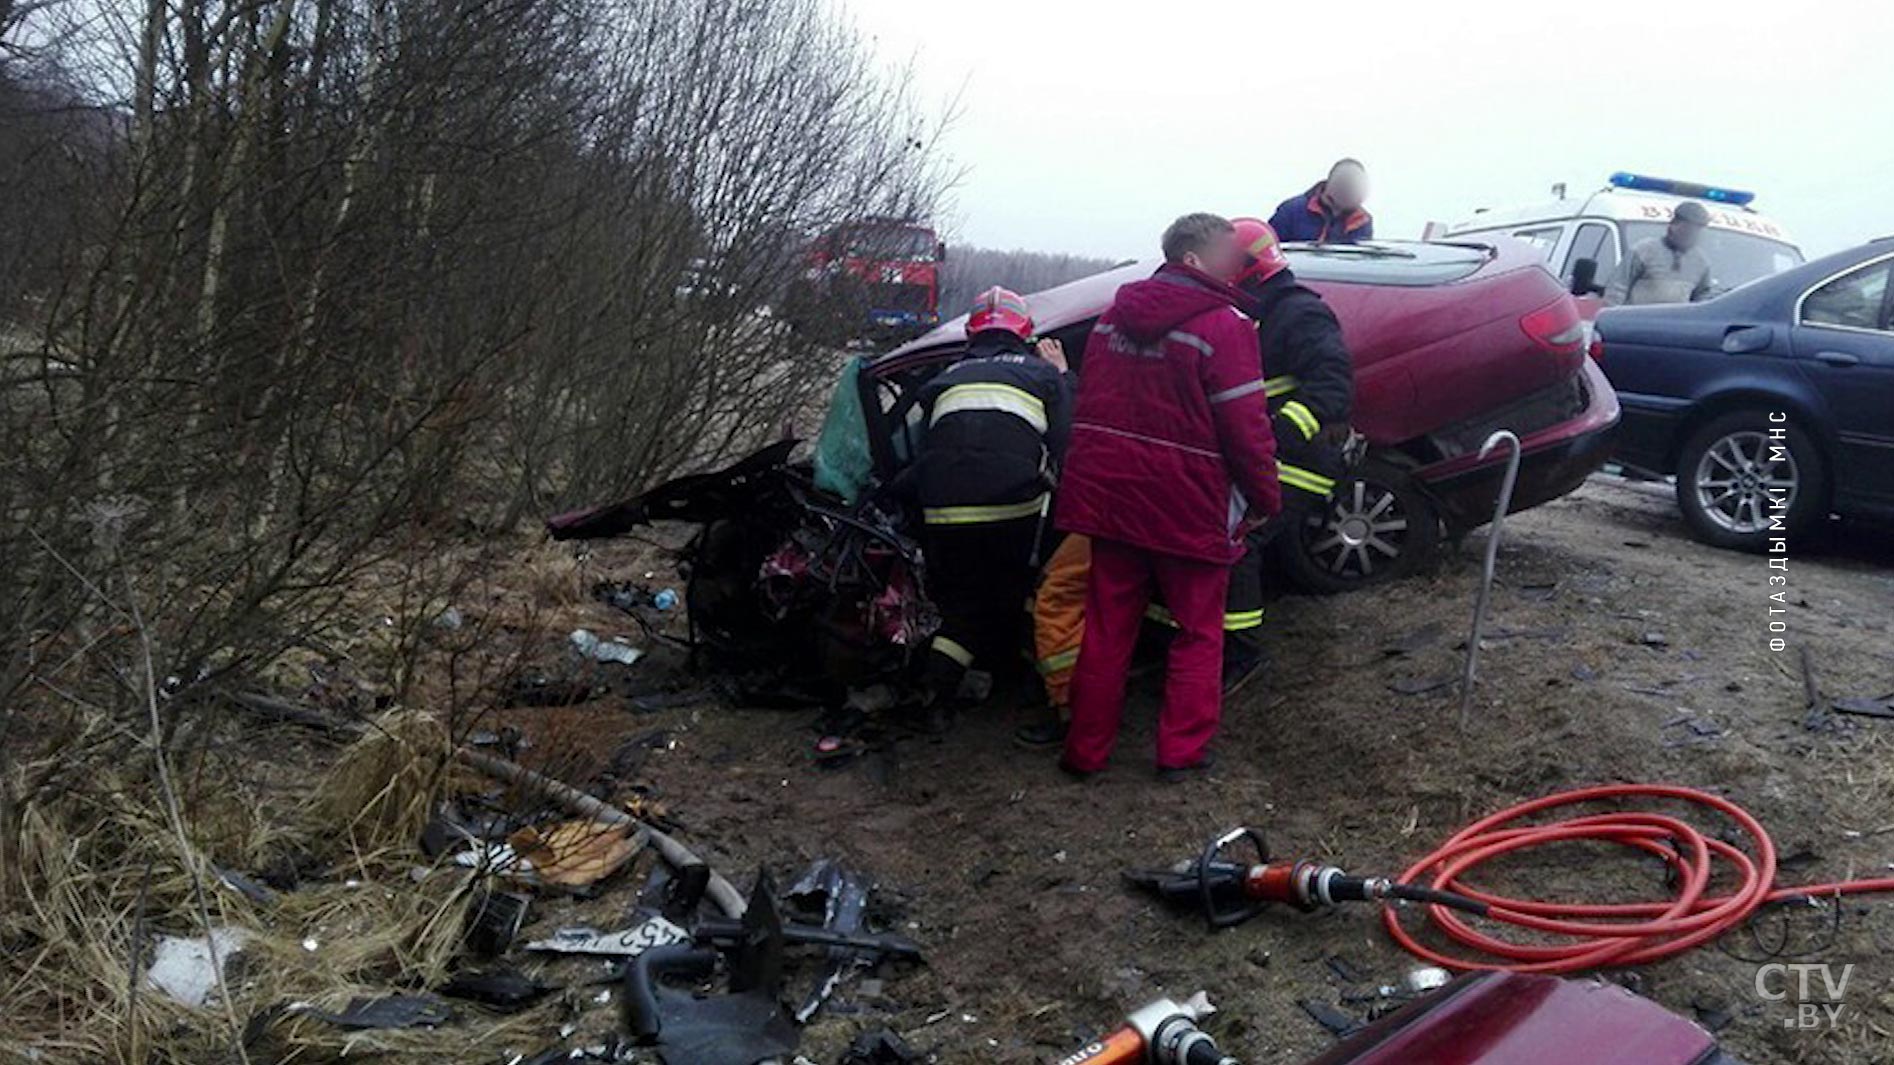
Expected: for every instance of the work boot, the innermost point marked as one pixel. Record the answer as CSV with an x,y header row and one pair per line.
x,y
1243,662
1179,774
1041,735
1074,772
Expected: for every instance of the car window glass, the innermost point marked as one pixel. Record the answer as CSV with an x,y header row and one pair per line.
x,y
1593,242
1544,239
1852,300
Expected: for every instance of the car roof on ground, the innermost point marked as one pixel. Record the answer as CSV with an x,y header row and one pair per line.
x,y
1400,263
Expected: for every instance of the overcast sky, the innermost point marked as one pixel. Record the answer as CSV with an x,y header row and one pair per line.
x,y
1086,126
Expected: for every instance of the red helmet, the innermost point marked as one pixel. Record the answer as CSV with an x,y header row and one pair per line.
x,y
1000,308
1258,241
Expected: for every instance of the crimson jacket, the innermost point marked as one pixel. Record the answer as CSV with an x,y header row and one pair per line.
x,y
1171,447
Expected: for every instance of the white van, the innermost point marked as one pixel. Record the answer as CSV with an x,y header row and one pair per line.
x,y
1584,238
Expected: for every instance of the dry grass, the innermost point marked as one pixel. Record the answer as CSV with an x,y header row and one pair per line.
x,y
101,877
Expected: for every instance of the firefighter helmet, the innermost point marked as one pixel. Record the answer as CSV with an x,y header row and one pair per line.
x,y
1263,251
1000,308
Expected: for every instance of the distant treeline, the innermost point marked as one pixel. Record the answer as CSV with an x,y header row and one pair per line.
x,y
969,271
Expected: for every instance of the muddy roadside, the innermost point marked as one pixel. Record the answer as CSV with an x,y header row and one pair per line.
x,y
1618,650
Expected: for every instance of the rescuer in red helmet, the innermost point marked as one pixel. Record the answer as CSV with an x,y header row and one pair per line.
x,y
997,423
1310,382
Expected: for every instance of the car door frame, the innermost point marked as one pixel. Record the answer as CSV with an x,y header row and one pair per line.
x,y
1864,470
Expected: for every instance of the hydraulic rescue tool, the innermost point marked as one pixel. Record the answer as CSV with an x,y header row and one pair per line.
x,y
1229,891
1164,1032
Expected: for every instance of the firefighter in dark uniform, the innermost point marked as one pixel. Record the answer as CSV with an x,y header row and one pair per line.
x,y
997,424
1309,378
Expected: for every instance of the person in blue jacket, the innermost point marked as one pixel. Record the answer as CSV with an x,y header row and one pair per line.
x,y
1329,213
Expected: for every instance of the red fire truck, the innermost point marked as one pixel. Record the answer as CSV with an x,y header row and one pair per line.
x,y
885,272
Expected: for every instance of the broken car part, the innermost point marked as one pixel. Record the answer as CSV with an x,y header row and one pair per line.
x,y
720,891
1164,1032
506,990
741,1027
494,920
626,943
844,901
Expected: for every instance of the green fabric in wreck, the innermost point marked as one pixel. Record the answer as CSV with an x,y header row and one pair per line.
x,y
843,462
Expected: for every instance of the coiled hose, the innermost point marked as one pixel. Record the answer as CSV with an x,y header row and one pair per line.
x,y
1605,934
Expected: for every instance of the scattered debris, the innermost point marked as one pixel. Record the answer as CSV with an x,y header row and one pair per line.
x,y
627,943
1654,639
1338,1023
653,702
189,970
395,1011
1426,978
248,888
538,689
506,990
1420,685
741,1027
880,1047
588,645
573,854
1881,708
1584,673
1343,970
494,921
843,901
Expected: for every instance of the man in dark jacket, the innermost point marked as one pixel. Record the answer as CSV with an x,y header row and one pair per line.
x,y
997,424
1171,463
1311,390
1331,212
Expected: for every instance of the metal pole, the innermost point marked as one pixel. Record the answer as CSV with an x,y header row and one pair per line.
x,y
1502,436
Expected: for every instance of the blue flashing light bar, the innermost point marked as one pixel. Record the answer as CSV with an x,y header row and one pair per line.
x,y
1645,183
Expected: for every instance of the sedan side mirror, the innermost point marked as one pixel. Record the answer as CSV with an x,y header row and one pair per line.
x,y
940,252
1585,278
1748,339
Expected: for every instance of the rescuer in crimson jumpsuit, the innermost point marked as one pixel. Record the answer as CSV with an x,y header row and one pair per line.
x,y
1171,464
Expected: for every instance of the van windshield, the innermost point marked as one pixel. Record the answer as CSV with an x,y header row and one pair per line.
x,y
1735,258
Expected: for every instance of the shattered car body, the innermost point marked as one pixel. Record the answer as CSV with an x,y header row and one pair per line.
x,y
789,588
801,590
1450,342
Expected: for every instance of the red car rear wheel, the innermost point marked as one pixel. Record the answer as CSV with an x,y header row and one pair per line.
x,y
1378,527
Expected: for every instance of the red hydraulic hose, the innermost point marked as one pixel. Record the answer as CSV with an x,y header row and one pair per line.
x,y
1605,934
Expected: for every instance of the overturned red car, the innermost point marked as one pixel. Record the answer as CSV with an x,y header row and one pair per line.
x,y
1451,342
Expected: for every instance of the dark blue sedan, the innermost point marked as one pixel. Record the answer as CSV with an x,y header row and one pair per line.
x,y
1773,403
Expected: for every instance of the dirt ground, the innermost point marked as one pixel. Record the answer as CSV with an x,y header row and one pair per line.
x,y
1618,649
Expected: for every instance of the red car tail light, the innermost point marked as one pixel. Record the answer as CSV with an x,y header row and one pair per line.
x,y
1556,327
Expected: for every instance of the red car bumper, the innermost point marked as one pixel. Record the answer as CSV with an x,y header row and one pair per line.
x,y
1553,461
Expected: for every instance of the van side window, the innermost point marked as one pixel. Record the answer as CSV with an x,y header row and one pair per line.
x,y
1593,242
1544,239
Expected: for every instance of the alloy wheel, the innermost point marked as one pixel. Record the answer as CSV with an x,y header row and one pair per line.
x,y
1739,480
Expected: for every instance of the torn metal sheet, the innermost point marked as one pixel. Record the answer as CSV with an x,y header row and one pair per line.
x,y
843,898
626,943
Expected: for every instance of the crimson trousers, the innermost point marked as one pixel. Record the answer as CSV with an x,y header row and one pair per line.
x,y
1121,584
